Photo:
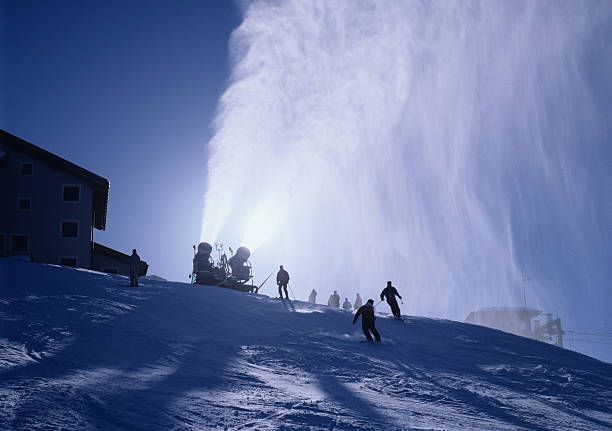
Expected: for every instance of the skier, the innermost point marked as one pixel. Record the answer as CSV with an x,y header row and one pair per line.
x,y
346,305
391,292
367,320
134,267
282,279
313,297
334,300
357,303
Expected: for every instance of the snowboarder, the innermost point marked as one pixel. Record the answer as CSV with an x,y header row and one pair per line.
x,y
358,303
134,267
346,305
367,320
282,279
313,297
334,300
391,292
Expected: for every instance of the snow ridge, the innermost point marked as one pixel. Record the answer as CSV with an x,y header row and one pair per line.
x,y
80,351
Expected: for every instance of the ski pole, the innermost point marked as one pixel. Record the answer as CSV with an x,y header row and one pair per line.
x,y
291,290
264,282
378,302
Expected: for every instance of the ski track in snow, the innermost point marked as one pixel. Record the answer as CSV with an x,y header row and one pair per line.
x,y
77,351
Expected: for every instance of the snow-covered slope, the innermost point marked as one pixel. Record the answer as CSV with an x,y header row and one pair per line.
x,y
80,350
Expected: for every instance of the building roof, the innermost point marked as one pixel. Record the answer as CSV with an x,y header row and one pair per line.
x,y
99,185
120,257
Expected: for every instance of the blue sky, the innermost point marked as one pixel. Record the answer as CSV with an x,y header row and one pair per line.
x,y
127,90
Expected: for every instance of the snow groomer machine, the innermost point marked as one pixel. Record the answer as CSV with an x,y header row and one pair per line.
x,y
233,273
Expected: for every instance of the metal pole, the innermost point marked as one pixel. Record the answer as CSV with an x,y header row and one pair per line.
x,y
290,290
525,280
264,282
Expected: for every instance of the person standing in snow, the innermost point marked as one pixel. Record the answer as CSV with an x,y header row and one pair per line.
x,y
367,320
334,300
313,297
390,293
357,303
134,267
282,279
346,305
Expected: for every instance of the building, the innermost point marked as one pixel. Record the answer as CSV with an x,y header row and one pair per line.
x,y
523,321
51,208
114,262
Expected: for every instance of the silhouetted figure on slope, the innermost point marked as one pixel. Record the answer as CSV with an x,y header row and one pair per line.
x,y
334,300
134,267
346,305
313,297
367,320
282,279
390,293
358,303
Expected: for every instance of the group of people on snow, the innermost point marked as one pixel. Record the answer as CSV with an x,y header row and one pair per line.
x,y
366,311
334,301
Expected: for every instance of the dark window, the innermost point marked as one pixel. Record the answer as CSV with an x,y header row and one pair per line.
x,y
110,270
68,261
19,243
24,204
26,169
71,193
70,229
1,242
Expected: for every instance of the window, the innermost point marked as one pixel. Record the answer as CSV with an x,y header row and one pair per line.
x,y
19,243
2,241
68,261
110,270
70,229
26,169
71,193
24,203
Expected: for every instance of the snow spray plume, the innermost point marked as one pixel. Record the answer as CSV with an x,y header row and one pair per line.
x,y
422,142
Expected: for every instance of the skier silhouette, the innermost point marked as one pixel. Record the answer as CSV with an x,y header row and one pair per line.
x,y
334,300
134,267
313,297
282,279
346,305
391,292
367,320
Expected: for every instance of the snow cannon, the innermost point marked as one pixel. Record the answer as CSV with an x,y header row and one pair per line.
x,y
241,269
202,260
232,273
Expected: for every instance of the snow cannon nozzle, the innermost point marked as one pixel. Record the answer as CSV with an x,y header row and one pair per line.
x,y
204,247
243,253
238,263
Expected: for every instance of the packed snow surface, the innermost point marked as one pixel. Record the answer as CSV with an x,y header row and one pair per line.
x,y
82,350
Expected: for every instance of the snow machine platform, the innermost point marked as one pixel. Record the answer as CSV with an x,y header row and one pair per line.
x,y
218,278
233,273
